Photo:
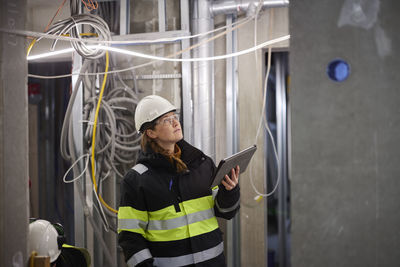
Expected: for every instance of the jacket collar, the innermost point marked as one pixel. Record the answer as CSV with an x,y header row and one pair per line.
x,y
155,160
189,152
158,161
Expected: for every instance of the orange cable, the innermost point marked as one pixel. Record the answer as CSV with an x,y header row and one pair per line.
x,y
90,5
58,10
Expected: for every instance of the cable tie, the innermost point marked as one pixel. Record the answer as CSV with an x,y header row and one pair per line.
x,y
120,108
91,123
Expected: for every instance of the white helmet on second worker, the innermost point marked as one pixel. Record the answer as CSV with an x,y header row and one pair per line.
x,y
44,239
151,108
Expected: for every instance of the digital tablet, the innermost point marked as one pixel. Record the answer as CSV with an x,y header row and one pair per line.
x,y
241,158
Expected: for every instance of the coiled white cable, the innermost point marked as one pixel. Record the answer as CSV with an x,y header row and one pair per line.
x,y
263,120
71,26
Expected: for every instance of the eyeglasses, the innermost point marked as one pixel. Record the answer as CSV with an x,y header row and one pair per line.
x,y
168,120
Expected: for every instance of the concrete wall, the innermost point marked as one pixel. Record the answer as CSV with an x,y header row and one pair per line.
x,y
13,138
345,136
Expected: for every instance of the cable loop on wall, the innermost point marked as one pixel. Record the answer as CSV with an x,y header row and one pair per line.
x,y
71,27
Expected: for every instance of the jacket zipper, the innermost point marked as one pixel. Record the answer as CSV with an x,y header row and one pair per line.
x,y
176,196
176,205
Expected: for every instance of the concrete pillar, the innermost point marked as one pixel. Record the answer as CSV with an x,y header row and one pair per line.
x,y
14,208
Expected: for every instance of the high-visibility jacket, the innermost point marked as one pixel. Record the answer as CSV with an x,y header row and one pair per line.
x,y
167,218
73,256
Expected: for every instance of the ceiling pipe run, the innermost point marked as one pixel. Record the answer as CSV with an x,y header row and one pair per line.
x,y
238,6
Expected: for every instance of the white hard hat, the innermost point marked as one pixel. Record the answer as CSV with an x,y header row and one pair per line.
x,y
150,108
43,238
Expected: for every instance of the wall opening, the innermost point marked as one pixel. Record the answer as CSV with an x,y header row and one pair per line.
x,y
278,203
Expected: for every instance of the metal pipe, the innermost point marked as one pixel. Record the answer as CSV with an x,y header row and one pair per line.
x,y
80,237
232,136
233,7
281,117
187,97
162,23
203,81
124,17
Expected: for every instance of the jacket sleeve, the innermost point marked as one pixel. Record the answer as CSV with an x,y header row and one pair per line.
x,y
132,222
227,203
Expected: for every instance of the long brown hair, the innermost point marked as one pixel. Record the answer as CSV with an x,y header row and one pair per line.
x,y
174,158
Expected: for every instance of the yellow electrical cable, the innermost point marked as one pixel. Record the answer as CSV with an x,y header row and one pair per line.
x,y
30,47
82,34
94,135
90,34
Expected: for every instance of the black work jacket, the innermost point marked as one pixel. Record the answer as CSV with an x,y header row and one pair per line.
x,y
154,187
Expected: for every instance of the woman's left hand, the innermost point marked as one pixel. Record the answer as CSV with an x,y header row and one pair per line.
x,y
231,182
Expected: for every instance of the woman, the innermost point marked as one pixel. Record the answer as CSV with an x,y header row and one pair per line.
x,y
167,211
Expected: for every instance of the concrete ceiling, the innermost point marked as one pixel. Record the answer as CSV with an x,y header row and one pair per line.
x,y
40,12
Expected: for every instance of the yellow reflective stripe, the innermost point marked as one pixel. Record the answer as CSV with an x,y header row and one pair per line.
x,y
195,205
183,232
203,227
165,213
195,218
181,221
189,206
132,220
168,235
131,213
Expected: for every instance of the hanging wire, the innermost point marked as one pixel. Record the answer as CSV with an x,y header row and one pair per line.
x,y
263,122
90,4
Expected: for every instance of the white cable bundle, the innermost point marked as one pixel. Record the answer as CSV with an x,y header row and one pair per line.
x,y
71,26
